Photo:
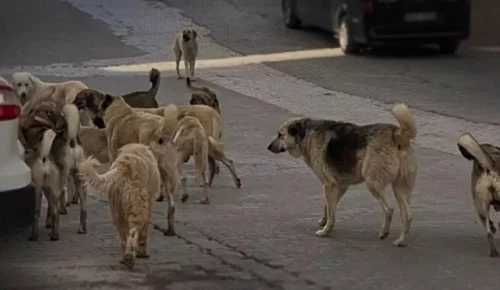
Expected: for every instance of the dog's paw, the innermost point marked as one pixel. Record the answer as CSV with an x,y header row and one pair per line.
x,y
63,211
179,77
142,255
322,233
128,260
54,237
204,201
81,231
160,199
169,232
184,197
238,183
322,222
382,235
400,243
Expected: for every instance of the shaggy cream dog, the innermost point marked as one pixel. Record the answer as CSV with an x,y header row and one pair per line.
x,y
185,45
132,183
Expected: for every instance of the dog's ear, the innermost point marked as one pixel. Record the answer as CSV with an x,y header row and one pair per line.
x,y
108,99
195,34
297,130
30,78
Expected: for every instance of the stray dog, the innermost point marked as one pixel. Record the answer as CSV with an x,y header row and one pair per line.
x,y
48,138
342,154
125,125
191,140
212,124
203,96
145,99
185,44
29,87
485,181
132,183
94,143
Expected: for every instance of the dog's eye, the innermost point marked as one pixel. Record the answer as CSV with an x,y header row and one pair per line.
x,y
26,84
160,141
19,84
280,135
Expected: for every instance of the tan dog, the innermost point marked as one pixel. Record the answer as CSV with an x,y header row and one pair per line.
x,y
94,143
124,125
29,87
485,182
185,45
342,154
132,183
49,140
212,124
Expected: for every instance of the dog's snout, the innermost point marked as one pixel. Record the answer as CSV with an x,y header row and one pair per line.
x,y
273,147
185,36
23,95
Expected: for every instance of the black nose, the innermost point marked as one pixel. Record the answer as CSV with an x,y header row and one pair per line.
x,y
185,37
269,147
23,95
99,122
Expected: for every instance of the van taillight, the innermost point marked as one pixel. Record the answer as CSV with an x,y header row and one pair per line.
x,y
367,5
9,112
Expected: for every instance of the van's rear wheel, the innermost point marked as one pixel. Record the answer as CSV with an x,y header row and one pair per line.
x,y
346,40
290,17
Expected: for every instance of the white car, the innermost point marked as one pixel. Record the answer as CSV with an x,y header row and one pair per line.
x,y
17,195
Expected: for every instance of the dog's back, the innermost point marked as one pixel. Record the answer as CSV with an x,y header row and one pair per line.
x,y
145,99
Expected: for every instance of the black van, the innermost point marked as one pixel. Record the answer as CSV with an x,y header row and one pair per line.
x,y
358,23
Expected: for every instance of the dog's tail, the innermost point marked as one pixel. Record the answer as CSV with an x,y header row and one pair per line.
x,y
170,117
72,117
407,126
219,146
47,141
154,78
471,150
92,180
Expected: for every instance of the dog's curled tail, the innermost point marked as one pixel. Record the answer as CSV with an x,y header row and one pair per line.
x,y
72,117
91,179
170,117
407,126
47,140
154,78
471,150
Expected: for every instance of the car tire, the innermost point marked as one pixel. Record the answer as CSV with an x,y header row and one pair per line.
x,y
346,41
449,46
289,12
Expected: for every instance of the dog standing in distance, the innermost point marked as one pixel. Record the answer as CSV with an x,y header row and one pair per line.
x,y
132,184
485,182
186,45
342,154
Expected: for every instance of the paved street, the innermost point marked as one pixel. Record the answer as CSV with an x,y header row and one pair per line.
x,y
262,235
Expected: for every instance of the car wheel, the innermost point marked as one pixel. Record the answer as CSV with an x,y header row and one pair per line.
x,y
449,46
289,14
346,41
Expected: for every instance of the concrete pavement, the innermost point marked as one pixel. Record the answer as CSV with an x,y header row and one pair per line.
x,y
262,235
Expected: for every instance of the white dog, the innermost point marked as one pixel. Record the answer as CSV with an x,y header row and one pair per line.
x,y
185,44
29,86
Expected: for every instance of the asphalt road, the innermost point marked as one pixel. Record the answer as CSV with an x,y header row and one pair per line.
x,y
262,235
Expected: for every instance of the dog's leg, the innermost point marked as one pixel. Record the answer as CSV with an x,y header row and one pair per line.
x,y
38,209
212,170
63,200
186,67
171,212
142,248
80,194
74,183
402,192
131,245
378,191
54,198
192,63
219,155
483,212
322,220
184,193
178,55
331,192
